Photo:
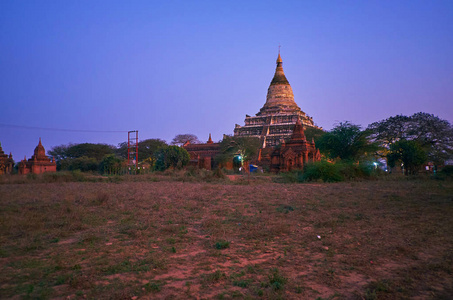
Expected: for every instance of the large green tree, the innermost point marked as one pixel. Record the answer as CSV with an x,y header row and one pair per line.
x,y
312,133
171,157
84,157
181,139
231,146
346,141
146,148
409,153
84,164
96,151
111,164
433,134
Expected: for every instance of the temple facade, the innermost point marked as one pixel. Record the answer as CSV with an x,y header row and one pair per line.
x,y
6,162
38,163
202,155
275,121
294,153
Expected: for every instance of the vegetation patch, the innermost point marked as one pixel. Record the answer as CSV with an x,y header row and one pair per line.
x,y
222,244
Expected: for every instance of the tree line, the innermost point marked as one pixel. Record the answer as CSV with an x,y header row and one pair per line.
x,y
407,141
104,158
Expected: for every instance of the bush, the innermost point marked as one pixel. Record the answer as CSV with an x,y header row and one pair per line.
x,y
447,171
84,164
110,164
221,244
277,280
171,157
329,172
322,170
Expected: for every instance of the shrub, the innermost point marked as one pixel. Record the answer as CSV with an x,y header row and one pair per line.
x,y
171,156
110,164
447,171
277,280
329,172
322,170
84,164
222,244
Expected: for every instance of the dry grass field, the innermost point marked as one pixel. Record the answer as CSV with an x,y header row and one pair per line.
x,y
156,238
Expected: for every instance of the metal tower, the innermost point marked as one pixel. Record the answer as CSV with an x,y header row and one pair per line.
x,y
132,149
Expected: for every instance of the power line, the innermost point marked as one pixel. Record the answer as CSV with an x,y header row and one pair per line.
x,y
60,129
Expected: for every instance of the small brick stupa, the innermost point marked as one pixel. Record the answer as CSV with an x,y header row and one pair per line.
x,y
294,153
6,162
38,163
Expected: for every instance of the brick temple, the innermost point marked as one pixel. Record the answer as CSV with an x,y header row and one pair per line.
x,y
294,153
202,155
6,162
275,121
280,127
38,163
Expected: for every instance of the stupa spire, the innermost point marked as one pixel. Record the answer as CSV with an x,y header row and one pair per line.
x,y
280,95
298,132
210,140
279,76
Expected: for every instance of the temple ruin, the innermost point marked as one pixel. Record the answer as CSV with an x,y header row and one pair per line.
x,y
294,153
38,163
6,162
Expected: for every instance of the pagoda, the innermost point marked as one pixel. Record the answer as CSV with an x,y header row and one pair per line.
x,y
38,163
6,162
295,153
275,121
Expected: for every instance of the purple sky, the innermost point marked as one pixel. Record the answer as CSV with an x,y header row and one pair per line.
x,y
170,67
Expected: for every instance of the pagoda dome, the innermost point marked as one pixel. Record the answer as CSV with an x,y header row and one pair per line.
x,y
40,152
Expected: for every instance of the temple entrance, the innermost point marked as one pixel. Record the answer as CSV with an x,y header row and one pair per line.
x,y
289,166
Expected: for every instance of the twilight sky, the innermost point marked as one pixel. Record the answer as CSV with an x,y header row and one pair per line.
x,y
170,67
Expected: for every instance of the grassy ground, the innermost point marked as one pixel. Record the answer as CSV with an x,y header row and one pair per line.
x,y
253,239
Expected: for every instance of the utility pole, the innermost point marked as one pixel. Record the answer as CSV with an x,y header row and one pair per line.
x,y
132,150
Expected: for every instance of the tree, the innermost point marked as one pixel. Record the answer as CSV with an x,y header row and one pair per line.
x,y
390,130
171,157
409,153
181,139
84,164
313,133
433,134
111,164
96,151
231,146
84,157
146,148
347,142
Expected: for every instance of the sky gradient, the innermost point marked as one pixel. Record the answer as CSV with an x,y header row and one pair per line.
x,y
170,67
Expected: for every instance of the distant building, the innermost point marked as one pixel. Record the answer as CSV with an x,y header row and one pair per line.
x,y
275,121
38,163
294,153
6,162
202,155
